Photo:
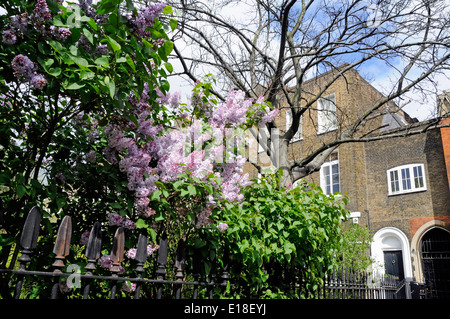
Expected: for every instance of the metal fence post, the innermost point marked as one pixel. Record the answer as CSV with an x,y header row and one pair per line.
x,y
141,257
162,261
28,242
93,249
61,250
117,257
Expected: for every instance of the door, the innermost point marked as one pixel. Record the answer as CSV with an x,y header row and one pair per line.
x,y
435,249
393,264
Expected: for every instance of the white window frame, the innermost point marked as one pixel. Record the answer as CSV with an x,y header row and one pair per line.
x,y
328,165
298,135
406,179
327,114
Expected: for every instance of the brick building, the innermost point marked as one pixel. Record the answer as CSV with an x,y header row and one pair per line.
x,y
398,187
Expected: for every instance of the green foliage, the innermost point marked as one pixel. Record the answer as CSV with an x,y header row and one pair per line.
x,y
275,230
354,251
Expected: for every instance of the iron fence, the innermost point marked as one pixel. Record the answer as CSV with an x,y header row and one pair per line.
x,y
163,287
338,284
343,284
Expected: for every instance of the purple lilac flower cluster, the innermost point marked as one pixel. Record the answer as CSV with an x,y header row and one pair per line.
x,y
40,17
115,219
106,262
146,18
25,70
131,253
60,33
41,11
19,24
170,156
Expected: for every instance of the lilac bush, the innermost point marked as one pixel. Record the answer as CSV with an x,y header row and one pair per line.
x,y
89,127
155,158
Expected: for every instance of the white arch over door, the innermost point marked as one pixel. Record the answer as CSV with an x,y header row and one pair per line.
x,y
388,239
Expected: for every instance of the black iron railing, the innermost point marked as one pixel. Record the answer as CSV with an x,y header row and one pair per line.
x,y
28,243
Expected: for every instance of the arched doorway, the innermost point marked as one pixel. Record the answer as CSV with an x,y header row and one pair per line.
x,y
391,253
435,255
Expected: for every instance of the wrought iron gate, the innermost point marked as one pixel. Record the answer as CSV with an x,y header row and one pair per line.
x,y
435,249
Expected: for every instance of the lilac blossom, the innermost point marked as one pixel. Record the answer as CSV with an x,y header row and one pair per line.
x,y
115,219
131,253
41,11
146,18
151,249
128,286
85,237
105,261
91,156
20,22
167,154
9,37
222,227
62,33
268,117
128,224
102,49
38,81
23,67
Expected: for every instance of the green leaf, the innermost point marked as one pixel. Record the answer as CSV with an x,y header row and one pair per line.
x,y
79,60
121,60
116,205
75,86
168,10
92,24
168,47
169,67
103,61
107,6
88,35
192,190
165,85
86,74
112,88
60,202
54,71
114,45
173,24
21,190
140,223
130,62
156,195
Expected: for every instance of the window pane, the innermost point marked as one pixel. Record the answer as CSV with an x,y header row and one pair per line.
x,y
327,114
326,175
418,177
406,181
394,182
335,178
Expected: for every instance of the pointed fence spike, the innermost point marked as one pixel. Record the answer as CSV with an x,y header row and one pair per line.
x,y
162,251
118,249
63,238
28,242
141,251
62,243
94,244
181,255
30,233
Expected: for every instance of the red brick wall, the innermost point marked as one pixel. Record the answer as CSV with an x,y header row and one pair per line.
x,y
416,223
445,134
